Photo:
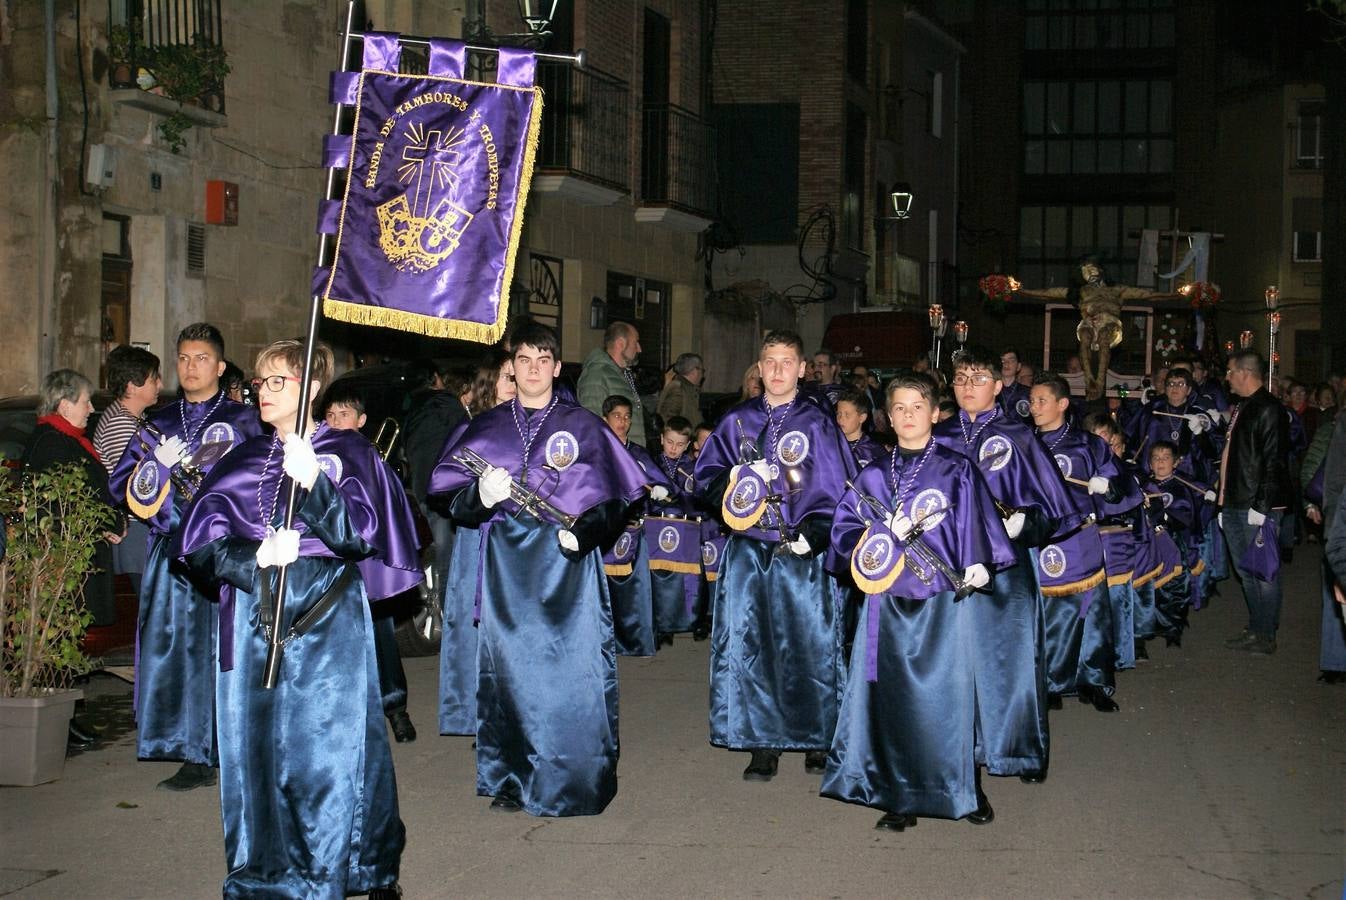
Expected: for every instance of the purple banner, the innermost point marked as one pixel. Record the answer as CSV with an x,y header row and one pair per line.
x,y
430,223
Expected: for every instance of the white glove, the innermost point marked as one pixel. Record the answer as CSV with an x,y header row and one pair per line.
x,y
1197,422
800,546
301,463
1219,519
763,470
1255,518
901,526
1014,525
493,486
568,541
1099,485
1209,496
976,575
171,451
278,548
658,493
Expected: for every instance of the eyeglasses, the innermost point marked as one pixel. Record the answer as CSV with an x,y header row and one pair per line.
x,y
981,379
1178,382
274,383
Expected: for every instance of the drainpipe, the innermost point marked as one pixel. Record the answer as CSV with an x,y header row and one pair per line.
x,y
46,290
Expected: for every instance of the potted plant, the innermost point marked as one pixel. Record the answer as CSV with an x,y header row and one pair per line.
x,y
52,521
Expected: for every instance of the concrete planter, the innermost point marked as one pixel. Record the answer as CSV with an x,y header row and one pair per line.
x,y
33,735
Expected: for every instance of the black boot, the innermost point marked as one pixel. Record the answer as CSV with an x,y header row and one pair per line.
x,y
701,631
502,803
895,822
1099,698
387,892
403,731
190,777
815,762
763,765
983,814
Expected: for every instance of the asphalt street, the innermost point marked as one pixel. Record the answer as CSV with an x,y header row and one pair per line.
x,y
1222,776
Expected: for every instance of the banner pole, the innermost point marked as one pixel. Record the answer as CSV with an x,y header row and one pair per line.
x,y
274,648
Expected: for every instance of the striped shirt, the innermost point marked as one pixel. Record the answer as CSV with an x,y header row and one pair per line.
x,y
115,429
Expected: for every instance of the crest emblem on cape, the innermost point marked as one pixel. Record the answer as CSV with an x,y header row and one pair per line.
x,y
562,450
876,561
745,501
999,450
669,539
1021,407
792,448
145,480
709,554
331,466
219,433
929,507
1167,498
1063,463
1052,561
622,549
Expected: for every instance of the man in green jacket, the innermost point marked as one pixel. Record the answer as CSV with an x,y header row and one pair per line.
x,y
607,371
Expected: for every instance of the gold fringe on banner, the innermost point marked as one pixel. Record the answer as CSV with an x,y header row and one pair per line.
x,y
1074,587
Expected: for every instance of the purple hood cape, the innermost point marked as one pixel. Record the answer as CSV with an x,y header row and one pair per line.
x,y
376,504
574,461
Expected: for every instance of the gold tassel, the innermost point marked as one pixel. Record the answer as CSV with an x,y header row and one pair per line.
x,y
1074,587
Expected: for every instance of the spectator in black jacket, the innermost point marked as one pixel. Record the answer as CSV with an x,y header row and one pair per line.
x,y
1254,489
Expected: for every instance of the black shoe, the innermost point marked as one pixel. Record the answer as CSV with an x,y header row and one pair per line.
x,y
663,639
1101,701
501,803
1141,652
1262,646
1053,701
701,632
1241,640
1328,676
77,740
763,765
387,892
1173,640
895,822
81,734
1035,777
190,777
403,731
983,814
815,762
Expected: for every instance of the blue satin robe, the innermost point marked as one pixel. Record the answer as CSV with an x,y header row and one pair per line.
x,y
906,737
177,625
458,639
546,656
307,791
678,596
633,617
1009,625
776,641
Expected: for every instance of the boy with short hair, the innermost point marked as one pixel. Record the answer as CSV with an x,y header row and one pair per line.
x,y
550,484
1033,505
673,533
1176,504
775,466
1081,634
343,409
921,532
626,563
854,411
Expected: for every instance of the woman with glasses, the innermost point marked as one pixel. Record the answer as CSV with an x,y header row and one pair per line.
x,y
307,792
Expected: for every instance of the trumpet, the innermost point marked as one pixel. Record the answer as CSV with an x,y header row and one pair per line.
x,y
527,500
385,449
919,549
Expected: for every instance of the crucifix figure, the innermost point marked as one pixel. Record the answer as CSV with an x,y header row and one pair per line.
x,y
1100,327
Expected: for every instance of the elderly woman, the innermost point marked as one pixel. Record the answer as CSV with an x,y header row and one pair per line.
x,y
63,409
306,777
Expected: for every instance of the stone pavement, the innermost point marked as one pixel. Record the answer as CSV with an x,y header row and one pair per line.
x,y
1222,776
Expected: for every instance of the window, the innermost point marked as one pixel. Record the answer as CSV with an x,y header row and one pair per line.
x,y
1098,127
1309,135
1053,238
1306,223
1098,24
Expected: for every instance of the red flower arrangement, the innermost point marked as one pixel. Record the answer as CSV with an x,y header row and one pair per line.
x,y
1202,294
998,288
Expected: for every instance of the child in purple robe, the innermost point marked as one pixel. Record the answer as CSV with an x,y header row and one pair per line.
x,y
1176,504
853,414
921,534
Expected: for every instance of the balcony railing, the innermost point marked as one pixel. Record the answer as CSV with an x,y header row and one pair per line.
x,y
677,162
170,47
585,125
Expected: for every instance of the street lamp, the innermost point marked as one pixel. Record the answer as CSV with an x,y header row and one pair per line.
x,y
960,333
901,198
537,15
